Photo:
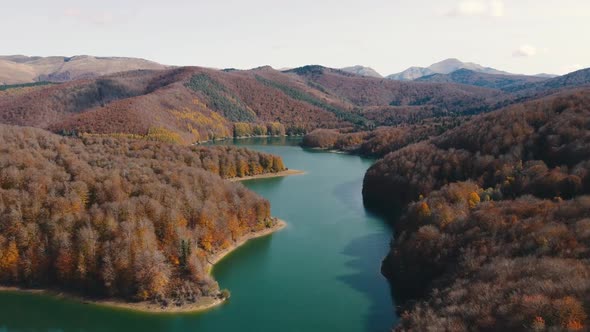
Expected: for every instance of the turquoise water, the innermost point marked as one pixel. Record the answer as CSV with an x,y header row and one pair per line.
x,y
321,273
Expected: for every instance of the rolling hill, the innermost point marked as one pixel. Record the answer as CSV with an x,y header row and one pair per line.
x,y
470,77
192,104
17,69
366,92
575,79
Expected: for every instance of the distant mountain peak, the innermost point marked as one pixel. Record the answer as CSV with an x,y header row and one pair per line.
x,y
446,66
411,74
362,71
449,62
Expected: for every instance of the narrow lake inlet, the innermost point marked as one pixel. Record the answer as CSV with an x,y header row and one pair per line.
x,y
320,273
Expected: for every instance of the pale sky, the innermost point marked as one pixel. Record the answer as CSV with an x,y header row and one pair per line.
x,y
520,36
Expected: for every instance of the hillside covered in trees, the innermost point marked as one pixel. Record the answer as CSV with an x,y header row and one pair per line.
x,y
192,104
494,207
120,218
497,223
494,81
378,142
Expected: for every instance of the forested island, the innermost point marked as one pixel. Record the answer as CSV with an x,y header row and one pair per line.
x,y
117,219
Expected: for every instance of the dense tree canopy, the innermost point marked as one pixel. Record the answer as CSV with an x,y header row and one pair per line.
x,y
540,147
497,228
378,142
493,263
245,129
124,218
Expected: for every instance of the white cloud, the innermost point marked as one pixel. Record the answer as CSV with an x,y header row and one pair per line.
x,y
493,8
525,51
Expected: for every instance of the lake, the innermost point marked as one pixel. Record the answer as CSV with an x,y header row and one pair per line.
x,y
320,273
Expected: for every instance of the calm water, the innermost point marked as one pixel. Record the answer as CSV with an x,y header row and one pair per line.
x,y
321,273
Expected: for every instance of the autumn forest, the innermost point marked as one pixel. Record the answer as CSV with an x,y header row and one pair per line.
x,y
120,217
112,187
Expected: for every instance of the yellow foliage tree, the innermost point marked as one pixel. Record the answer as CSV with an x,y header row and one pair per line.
x,y
206,241
277,164
9,260
163,135
424,210
234,228
242,129
242,167
473,199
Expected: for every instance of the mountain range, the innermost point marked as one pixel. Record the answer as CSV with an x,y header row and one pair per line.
x,y
20,69
194,104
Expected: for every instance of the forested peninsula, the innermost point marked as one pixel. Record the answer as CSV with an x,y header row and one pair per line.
x,y
124,221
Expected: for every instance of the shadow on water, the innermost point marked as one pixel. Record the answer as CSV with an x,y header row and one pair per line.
x,y
347,193
400,294
366,266
366,253
255,251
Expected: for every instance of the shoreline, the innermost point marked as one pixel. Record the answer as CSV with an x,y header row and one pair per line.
x,y
203,304
218,256
243,137
268,175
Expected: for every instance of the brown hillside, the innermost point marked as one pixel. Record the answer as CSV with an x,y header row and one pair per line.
x,y
363,91
496,236
191,104
15,69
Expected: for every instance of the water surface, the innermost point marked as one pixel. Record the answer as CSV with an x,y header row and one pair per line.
x,y
321,273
